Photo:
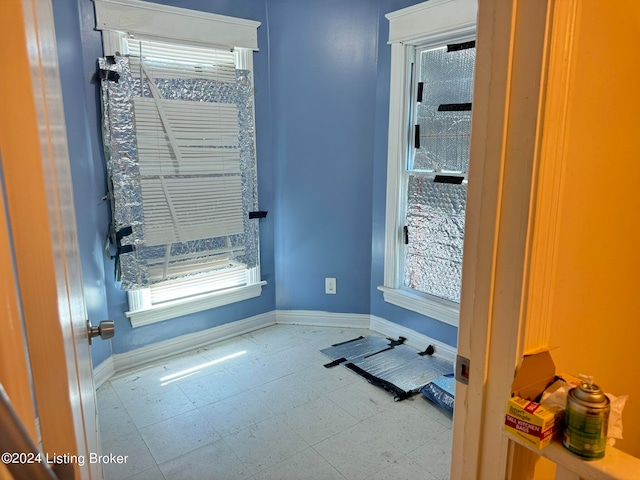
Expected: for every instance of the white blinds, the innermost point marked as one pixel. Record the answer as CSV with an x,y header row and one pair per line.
x,y
188,151
206,136
181,210
181,61
188,157
205,200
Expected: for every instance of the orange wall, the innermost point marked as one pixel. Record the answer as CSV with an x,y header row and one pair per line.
x,y
596,295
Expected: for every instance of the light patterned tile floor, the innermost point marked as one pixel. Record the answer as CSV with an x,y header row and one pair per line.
x,y
262,406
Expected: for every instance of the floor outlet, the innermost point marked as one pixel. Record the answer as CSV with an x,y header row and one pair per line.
x,y
330,286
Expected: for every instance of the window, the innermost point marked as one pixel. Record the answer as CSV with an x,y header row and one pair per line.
x,y
433,56
179,136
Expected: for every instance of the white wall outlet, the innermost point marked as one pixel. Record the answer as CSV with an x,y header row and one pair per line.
x,y
330,286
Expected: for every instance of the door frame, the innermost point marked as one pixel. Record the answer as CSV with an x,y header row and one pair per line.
x,y
42,224
497,324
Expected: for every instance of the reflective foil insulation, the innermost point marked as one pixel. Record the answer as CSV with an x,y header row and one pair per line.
x,y
143,262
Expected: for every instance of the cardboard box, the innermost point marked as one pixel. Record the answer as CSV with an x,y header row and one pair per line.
x,y
534,423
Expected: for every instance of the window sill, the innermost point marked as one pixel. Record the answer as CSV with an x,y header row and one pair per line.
x,y
441,310
198,303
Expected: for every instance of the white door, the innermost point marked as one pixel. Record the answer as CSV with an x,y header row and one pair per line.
x,y
42,229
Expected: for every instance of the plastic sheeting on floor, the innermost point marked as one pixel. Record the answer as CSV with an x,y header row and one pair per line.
x,y
441,391
389,364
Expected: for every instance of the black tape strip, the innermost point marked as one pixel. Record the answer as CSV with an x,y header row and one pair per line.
x,y
420,90
120,249
379,382
397,342
455,107
379,351
453,179
120,234
335,362
258,214
123,232
405,232
108,75
348,341
416,138
428,352
456,47
125,249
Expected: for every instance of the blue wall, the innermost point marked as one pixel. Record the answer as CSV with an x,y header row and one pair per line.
x,y
323,70
77,55
322,94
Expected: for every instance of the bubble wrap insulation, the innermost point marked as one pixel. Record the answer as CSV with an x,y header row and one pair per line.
x,y
435,218
139,268
444,136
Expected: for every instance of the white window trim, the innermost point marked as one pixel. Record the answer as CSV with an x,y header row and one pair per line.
x,y
117,18
142,312
174,23
435,21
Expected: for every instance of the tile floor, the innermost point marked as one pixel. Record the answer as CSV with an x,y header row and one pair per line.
x,y
262,406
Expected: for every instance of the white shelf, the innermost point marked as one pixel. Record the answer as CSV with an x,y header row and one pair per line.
x,y
616,465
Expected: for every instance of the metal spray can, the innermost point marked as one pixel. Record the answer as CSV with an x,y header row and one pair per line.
x,y
586,420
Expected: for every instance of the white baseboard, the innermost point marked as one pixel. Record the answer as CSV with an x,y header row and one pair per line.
x,y
414,339
184,343
103,372
322,319
174,346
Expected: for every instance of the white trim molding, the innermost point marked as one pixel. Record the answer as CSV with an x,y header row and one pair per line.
x,y
190,341
103,372
185,306
133,17
414,339
433,20
322,319
437,308
396,151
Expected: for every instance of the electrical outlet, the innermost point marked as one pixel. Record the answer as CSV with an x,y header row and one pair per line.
x,y
330,286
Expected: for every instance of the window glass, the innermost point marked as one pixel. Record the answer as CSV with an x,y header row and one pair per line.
x,y
435,224
447,82
438,160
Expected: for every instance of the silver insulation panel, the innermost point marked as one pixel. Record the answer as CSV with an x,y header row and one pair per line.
x,y
435,218
119,133
399,367
404,368
356,348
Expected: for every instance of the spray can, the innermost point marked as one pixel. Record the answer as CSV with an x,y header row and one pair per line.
x,y
586,420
